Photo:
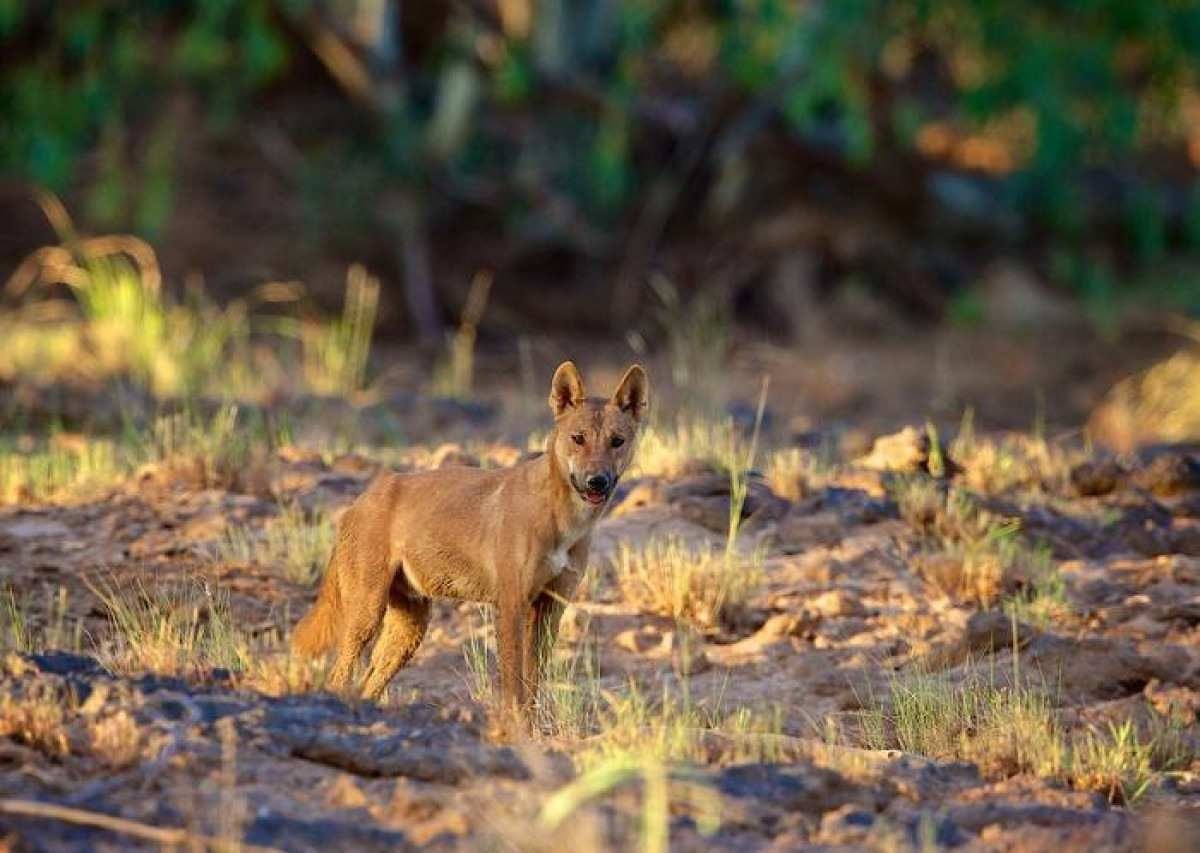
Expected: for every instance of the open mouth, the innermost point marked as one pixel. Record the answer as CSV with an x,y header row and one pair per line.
x,y
593,496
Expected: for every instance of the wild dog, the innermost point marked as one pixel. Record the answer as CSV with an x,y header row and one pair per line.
x,y
516,538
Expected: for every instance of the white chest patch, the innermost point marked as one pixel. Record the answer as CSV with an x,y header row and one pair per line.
x,y
558,559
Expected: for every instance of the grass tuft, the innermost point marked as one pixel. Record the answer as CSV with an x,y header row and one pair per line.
x,y
702,586
336,351
671,451
116,740
973,554
37,721
1013,728
218,452
676,727
455,377
58,468
54,630
296,543
168,629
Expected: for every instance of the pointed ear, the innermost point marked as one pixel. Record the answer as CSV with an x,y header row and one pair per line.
x,y
633,394
566,388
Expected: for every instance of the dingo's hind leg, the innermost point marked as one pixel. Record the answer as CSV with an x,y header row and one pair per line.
x,y
360,622
404,624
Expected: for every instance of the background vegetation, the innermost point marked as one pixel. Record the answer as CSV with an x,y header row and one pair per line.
x,y
590,143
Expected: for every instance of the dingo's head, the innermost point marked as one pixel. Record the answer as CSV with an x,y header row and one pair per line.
x,y
593,438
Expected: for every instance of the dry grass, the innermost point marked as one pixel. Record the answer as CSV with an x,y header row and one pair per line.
x,y
671,450
479,656
704,587
1014,462
975,555
41,471
1114,761
218,452
335,352
568,696
116,740
675,726
790,473
1002,728
1012,728
1160,405
37,721
122,324
455,376
296,543
602,726
175,629
21,630
272,670
187,629
665,790
225,450
699,334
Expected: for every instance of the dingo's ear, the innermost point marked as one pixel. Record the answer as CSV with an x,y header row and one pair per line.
x,y
633,394
566,388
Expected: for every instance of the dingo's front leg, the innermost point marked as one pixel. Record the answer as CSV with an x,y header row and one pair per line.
x,y
511,613
542,625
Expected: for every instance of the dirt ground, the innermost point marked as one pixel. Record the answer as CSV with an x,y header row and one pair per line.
x,y
851,600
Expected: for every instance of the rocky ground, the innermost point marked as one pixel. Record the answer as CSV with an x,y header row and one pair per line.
x,y
851,600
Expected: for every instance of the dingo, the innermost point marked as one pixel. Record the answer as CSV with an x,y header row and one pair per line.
x,y
516,538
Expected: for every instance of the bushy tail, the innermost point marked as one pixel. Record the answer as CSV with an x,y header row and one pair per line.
x,y
316,632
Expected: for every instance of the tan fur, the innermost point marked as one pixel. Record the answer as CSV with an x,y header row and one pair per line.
x,y
516,538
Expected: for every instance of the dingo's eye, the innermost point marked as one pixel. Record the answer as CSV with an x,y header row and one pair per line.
x,y
577,438
617,441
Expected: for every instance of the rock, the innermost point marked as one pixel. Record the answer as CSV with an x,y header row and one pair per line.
x,y
639,641
798,532
1090,669
837,603
353,463
1014,298
66,663
908,452
849,825
1169,830
745,416
698,468
778,626
35,527
575,624
991,631
452,456
283,832
686,648
648,491
1168,473
706,500
976,816
503,456
1095,478
1185,539
409,755
798,787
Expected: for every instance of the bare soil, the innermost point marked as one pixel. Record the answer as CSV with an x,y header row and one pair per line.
x,y
842,610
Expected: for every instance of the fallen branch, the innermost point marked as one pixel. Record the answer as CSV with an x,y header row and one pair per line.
x,y
171,836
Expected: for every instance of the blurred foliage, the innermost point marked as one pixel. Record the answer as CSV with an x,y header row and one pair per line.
x,y
573,107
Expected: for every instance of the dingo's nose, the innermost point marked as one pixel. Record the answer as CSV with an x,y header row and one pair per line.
x,y
598,483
